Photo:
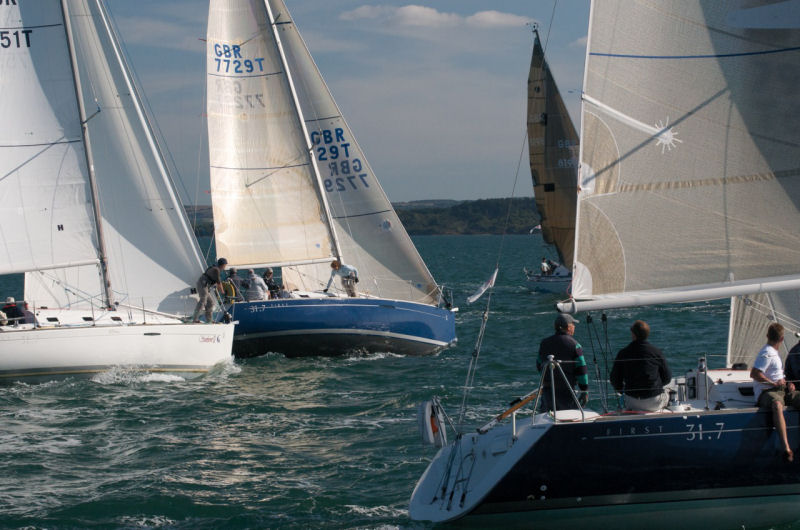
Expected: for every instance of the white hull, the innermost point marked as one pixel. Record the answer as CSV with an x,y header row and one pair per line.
x,y
59,351
550,284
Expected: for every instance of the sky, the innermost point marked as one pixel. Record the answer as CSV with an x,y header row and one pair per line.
x,y
434,91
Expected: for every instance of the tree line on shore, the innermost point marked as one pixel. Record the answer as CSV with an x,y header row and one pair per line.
x,y
446,217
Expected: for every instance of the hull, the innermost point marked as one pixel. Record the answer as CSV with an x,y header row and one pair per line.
x,y
550,284
619,469
61,351
335,326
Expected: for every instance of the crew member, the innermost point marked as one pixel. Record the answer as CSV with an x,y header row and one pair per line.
x,y
211,277
349,275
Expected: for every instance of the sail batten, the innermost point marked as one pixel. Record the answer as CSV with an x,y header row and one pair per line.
x,y
689,172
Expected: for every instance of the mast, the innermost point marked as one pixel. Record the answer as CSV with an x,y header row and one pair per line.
x,y
108,294
309,147
152,143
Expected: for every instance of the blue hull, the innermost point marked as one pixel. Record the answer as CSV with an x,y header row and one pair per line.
x,y
334,326
713,457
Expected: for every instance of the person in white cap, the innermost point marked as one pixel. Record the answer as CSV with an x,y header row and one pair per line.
x,y
13,312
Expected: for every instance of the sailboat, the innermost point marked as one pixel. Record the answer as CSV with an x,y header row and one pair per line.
x,y
690,189
291,188
89,211
553,150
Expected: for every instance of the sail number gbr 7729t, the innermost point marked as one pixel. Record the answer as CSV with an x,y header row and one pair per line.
x,y
333,152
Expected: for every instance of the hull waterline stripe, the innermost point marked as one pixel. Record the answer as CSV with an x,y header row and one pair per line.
x,y
340,331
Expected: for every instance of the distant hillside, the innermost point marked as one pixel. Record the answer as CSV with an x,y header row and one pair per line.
x,y
431,203
485,216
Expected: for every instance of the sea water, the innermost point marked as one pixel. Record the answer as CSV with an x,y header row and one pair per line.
x,y
272,442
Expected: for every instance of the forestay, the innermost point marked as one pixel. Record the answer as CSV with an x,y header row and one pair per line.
x,y
153,257
267,206
553,148
45,198
370,233
690,152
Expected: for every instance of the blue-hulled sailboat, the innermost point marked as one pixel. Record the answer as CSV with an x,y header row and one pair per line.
x,y
291,188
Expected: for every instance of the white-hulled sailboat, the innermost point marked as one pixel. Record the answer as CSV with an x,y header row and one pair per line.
x,y
553,151
89,211
291,188
690,190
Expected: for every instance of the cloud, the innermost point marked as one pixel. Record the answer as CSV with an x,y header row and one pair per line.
x,y
422,16
580,43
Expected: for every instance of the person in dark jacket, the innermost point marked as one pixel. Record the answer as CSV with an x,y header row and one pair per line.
x,y
792,368
566,350
211,277
640,372
13,312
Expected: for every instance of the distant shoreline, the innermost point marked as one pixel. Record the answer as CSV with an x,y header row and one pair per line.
x,y
434,217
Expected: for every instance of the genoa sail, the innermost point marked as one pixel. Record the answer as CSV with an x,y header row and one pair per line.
x,y
153,256
690,172
553,150
266,200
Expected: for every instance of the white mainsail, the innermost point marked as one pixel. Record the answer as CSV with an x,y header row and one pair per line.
x,y
370,234
690,154
267,205
153,257
45,198
553,149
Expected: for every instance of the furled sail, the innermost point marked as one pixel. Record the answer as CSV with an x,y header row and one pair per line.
x,y
268,209
371,236
45,199
750,317
553,148
690,153
153,257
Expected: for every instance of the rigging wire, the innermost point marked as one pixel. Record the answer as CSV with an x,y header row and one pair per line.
x,y
473,363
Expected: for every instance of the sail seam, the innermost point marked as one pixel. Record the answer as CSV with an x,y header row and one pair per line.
x,y
323,119
360,215
33,27
741,179
43,144
711,56
243,76
258,168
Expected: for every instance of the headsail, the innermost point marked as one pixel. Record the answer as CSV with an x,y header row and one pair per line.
x,y
690,154
369,231
267,205
553,148
45,203
153,257
750,316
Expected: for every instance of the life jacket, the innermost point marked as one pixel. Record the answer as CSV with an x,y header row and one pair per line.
x,y
229,289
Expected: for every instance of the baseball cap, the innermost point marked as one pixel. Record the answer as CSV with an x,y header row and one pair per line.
x,y
563,320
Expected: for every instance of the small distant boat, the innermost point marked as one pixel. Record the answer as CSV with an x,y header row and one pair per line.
x,y
291,188
89,212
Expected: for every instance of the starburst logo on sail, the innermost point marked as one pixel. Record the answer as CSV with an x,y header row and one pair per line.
x,y
665,136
